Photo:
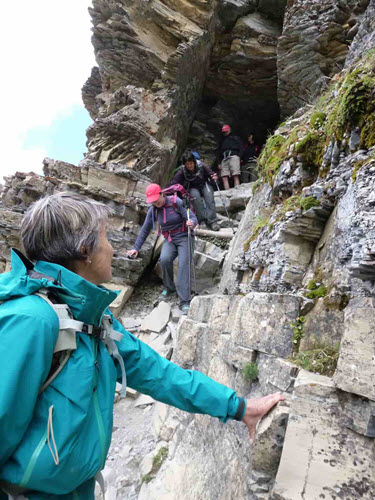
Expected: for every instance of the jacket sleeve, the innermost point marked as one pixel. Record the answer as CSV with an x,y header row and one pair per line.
x,y
178,178
26,349
208,172
184,214
189,390
145,230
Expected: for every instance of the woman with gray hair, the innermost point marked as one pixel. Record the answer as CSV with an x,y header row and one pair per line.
x,y
61,353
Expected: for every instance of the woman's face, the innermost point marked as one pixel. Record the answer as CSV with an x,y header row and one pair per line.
x,y
190,165
160,201
97,268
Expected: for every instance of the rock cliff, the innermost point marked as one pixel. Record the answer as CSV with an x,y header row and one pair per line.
x,y
295,307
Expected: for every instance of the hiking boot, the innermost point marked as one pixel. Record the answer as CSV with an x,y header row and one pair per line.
x,y
185,308
215,226
166,293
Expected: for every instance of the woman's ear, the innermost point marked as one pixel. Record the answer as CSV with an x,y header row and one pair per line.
x,y
86,257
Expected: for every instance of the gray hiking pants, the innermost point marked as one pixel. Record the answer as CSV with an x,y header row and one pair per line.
x,y
179,246
204,204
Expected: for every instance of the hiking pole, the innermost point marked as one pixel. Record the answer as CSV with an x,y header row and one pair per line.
x,y
225,207
191,258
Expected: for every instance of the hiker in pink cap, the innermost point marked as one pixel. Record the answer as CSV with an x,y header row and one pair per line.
x,y
171,215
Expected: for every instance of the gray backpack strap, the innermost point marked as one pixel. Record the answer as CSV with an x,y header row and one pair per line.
x,y
66,341
67,325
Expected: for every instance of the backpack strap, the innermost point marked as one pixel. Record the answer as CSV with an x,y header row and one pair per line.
x,y
66,341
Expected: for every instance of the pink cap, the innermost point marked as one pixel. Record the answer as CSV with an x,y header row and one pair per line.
x,y
152,192
225,128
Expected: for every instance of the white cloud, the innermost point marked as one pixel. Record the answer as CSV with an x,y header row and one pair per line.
x,y
47,56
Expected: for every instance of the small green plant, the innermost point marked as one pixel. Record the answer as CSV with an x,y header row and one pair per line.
x,y
317,120
256,185
272,156
147,478
317,293
309,202
250,372
157,462
311,285
260,222
321,359
298,332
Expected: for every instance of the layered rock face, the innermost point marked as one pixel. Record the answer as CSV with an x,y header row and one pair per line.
x,y
313,47
123,192
153,58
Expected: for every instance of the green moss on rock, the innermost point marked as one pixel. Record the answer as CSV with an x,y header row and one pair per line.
x,y
311,147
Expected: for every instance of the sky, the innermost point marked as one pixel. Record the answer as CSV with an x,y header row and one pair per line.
x,y
46,57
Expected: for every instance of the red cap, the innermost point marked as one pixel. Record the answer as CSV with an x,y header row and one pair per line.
x,y
152,192
225,128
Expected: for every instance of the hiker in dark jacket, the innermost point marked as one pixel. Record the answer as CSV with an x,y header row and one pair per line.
x,y
229,156
174,222
55,437
196,178
248,160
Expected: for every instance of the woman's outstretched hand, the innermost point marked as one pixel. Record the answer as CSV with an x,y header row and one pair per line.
x,y
257,408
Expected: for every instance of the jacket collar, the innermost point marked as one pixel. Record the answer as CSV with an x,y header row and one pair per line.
x,y
87,301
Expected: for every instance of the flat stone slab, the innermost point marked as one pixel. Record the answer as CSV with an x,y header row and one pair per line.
x,y
263,323
321,457
144,400
131,323
158,319
355,370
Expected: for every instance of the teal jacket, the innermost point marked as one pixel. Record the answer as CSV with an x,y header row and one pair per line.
x,y
82,394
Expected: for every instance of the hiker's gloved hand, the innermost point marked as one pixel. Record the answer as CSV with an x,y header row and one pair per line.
x,y
190,223
214,177
257,408
133,254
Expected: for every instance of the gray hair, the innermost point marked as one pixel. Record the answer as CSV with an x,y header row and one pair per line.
x,y
62,227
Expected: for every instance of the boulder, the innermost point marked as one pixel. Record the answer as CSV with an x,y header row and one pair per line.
x,y
321,458
263,323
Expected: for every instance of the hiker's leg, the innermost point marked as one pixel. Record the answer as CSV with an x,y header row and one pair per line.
x,y
208,193
183,283
225,172
226,182
199,208
235,169
167,257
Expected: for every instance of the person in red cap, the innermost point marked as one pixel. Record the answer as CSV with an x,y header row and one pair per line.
x,y
229,156
171,215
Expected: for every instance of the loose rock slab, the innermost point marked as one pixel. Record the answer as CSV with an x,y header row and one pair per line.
x,y
158,319
321,458
356,367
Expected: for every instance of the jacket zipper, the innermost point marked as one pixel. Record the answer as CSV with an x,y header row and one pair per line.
x,y
98,414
